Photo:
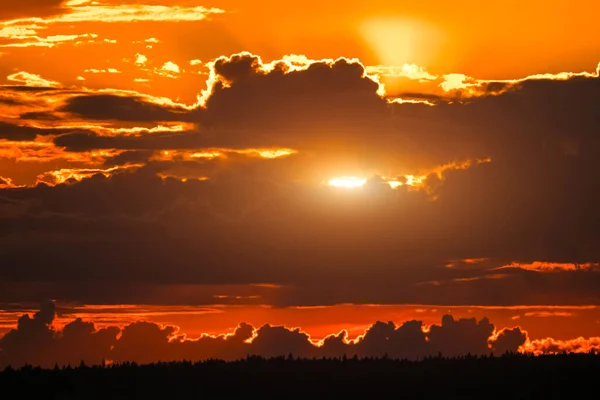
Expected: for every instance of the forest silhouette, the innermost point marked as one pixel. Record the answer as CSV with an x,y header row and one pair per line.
x,y
514,376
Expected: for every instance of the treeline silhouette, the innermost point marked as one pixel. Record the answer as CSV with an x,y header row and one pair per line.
x,y
511,376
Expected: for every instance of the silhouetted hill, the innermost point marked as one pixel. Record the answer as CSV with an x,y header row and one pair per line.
x,y
508,377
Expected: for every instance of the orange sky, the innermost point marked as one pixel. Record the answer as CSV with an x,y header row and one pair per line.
x,y
188,145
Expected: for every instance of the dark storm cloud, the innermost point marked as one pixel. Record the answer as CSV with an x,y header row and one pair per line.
x,y
254,222
297,99
239,229
508,339
334,105
250,107
37,343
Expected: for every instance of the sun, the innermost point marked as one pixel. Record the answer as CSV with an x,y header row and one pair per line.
x,y
347,182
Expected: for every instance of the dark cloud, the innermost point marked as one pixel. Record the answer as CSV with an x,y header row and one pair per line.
x,y
155,141
40,116
465,336
36,342
329,106
127,157
26,133
257,220
122,108
31,8
320,97
250,223
29,89
406,341
508,339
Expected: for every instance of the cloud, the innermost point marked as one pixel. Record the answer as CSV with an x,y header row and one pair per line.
x,y
457,169
466,86
123,108
329,93
169,70
410,71
553,346
52,178
25,132
140,59
103,71
35,341
93,11
31,8
464,336
27,79
552,267
25,37
7,183
544,314
24,23
507,340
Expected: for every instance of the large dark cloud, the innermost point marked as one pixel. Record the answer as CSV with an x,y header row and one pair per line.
x,y
245,226
257,220
329,106
36,342
321,97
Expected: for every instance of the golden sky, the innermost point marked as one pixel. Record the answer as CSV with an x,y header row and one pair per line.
x,y
302,154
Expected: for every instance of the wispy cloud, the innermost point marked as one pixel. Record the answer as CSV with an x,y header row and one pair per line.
x,y
27,79
95,11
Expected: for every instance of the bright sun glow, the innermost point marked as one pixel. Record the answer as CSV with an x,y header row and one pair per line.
x,y
348,182
398,40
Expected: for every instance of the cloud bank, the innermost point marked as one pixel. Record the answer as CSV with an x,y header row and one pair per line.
x,y
233,189
36,342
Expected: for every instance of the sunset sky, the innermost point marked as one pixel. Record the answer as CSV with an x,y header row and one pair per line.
x,y
320,165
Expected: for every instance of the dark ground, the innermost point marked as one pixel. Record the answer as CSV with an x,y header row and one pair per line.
x,y
507,377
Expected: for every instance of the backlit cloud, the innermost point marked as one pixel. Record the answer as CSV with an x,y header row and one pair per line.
x,y
169,70
27,79
468,86
103,71
97,11
410,71
140,59
77,174
540,266
28,31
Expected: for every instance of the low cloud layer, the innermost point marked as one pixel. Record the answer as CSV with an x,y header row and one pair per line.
x,y
36,342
